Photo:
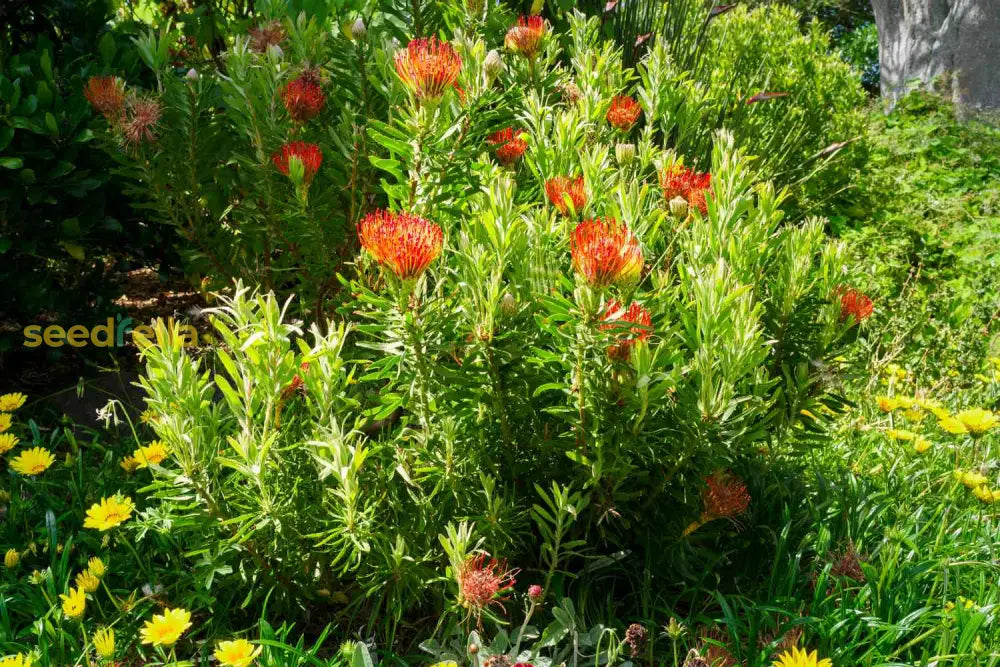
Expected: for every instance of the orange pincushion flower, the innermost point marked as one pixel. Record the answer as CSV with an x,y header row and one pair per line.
x,y
141,119
428,67
482,582
688,184
725,496
604,251
564,191
623,113
854,304
615,315
509,145
526,37
309,155
303,98
106,94
404,243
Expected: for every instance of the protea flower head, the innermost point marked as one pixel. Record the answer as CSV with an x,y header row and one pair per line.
x,y
567,194
483,582
405,244
142,115
604,250
854,304
509,145
266,35
428,67
725,496
616,316
526,37
688,184
623,113
303,98
107,95
308,154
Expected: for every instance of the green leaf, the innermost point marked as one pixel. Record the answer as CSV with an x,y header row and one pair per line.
x,y
106,47
45,62
75,251
50,123
6,135
11,162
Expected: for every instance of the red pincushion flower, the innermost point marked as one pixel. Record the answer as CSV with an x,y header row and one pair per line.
x,y
615,316
623,113
309,155
526,37
564,191
141,117
604,251
428,67
725,496
404,243
482,582
303,98
854,304
688,184
509,145
106,94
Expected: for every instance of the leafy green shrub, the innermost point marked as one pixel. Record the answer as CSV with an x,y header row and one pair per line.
x,y
61,210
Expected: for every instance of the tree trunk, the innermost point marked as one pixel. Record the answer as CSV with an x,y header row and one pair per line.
x,y
957,41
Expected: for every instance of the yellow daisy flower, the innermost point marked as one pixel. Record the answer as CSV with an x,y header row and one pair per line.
x,y
108,513
978,421
104,642
886,403
236,653
7,442
33,461
972,479
129,464
799,658
97,567
984,494
74,604
166,628
87,581
446,663
921,444
5,420
11,402
952,425
11,559
152,454
901,434
15,661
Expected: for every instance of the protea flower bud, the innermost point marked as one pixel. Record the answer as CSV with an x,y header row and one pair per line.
x,y
493,64
275,52
475,7
192,75
535,593
508,305
359,31
625,154
678,207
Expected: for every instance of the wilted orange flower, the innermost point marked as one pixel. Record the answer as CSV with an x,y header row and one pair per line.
x,y
267,34
526,37
303,98
106,94
688,184
141,118
309,155
404,243
854,304
615,315
623,112
509,145
428,67
565,191
482,582
604,251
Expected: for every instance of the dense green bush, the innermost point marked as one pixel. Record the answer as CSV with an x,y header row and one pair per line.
x,y
62,212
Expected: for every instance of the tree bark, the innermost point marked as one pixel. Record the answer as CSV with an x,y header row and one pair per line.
x,y
956,41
